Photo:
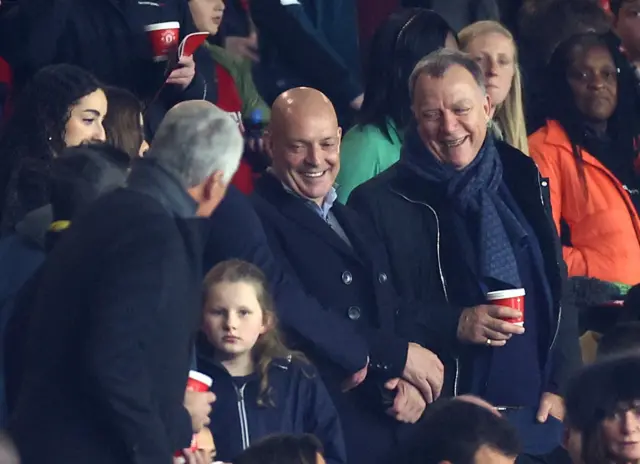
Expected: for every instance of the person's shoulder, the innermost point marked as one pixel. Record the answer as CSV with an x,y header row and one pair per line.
x,y
380,184
551,134
268,195
124,213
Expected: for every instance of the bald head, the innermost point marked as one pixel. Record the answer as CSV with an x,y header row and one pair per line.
x,y
304,142
301,102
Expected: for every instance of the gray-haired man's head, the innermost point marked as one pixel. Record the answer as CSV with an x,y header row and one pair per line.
x,y
201,146
437,63
451,106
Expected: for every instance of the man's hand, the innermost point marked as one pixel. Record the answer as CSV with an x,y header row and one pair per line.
x,y
550,404
243,47
408,404
425,371
198,404
183,75
356,379
190,457
484,322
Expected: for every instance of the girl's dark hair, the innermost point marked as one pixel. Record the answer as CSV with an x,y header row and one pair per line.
x,y
34,134
283,449
398,44
270,345
122,124
597,392
622,127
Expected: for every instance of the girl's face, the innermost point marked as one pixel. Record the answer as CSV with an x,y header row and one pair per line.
x,y
496,55
621,433
207,14
233,318
85,121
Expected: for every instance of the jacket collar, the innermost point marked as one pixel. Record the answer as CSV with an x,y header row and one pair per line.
x,y
208,363
556,135
327,204
149,177
295,209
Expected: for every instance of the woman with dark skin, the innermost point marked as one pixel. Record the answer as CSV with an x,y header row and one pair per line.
x,y
588,150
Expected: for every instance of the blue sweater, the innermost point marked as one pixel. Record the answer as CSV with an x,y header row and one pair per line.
x,y
516,372
301,405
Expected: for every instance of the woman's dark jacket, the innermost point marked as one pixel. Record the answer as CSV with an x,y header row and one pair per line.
x,y
301,405
403,209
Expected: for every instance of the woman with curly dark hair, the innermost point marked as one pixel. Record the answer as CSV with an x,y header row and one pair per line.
x,y
62,106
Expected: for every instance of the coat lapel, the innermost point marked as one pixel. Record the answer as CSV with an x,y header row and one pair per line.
x,y
295,209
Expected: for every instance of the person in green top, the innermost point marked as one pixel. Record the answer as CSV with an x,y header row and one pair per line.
x,y
374,143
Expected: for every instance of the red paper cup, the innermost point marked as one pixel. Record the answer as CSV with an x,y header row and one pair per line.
x,y
199,382
164,38
511,299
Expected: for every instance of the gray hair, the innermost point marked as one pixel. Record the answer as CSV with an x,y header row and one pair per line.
x,y
437,63
196,139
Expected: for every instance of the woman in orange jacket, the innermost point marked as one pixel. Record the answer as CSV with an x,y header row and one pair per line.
x,y
588,150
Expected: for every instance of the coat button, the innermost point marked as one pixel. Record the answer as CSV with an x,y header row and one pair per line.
x,y
544,183
382,278
354,313
347,278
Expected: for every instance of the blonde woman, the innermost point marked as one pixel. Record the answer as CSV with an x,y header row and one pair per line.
x,y
493,47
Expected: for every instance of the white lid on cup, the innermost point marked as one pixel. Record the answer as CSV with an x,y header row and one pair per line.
x,y
162,26
503,294
200,377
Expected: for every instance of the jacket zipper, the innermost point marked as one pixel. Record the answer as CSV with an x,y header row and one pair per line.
x,y
555,335
242,413
442,279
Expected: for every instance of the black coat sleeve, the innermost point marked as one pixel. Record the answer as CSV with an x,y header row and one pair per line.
x,y
306,49
566,356
236,232
321,418
127,300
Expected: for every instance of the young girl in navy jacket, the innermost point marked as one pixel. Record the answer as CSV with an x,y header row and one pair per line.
x,y
262,387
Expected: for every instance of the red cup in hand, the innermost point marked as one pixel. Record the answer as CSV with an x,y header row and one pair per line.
x,y
199,382
513,298
164,38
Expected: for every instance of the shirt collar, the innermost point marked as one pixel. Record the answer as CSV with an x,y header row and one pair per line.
x,y
327,204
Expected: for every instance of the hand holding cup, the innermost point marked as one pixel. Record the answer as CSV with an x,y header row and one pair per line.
x,y
481,323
